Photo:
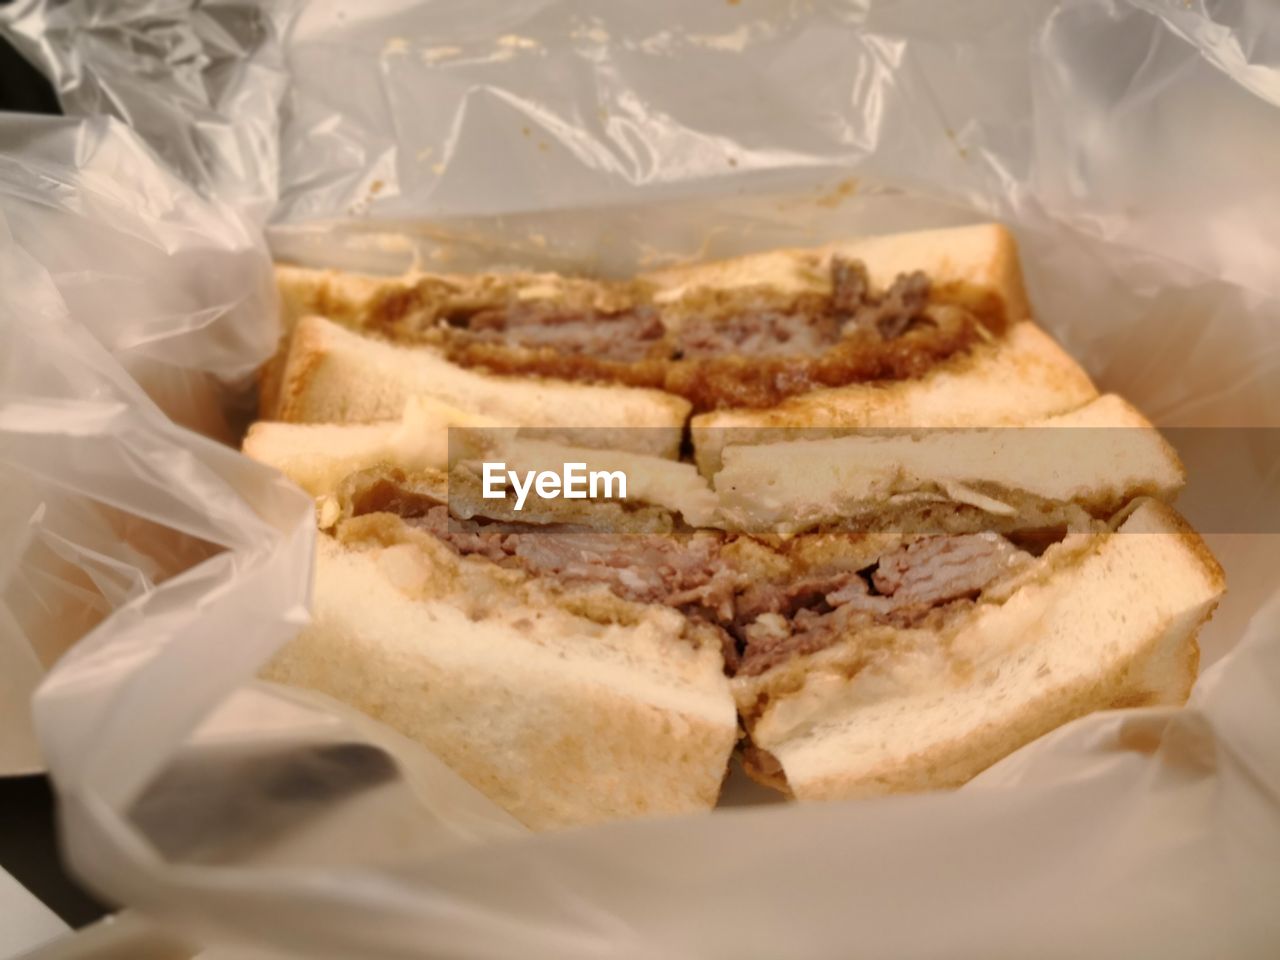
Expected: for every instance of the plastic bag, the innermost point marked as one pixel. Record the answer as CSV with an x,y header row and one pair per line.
x,y
172,304
1125,143
199,82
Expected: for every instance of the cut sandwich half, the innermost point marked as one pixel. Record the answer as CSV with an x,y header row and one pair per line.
x,y
873,697
884,330
1018,579
565,689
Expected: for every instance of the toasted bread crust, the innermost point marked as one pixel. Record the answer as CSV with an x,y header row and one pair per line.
x,y
307,354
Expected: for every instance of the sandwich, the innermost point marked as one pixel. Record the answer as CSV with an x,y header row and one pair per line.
x,y
990,586
949,653
541,655
835,556
921,329
856,657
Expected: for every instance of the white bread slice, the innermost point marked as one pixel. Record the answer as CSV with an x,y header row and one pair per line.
x,y
1114,628
1020,377
333,375
675,486
559,719
1099,456
318,457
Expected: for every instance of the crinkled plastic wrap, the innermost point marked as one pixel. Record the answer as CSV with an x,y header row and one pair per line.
x,y
200,82
1128,144
173,284
124,292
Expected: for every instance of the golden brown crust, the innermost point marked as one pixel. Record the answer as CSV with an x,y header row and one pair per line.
x,y
270,378
412,306
763,767
503,360
1021,376
738,382
306,355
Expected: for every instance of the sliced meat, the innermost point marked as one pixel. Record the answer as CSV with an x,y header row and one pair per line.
x,y
936,569
855,594
737,348
685,572
774,620
736,382
789,595
773,640
910,585
677,571
892,314
627,336
889,315
469,538
763,332
758,333
850,287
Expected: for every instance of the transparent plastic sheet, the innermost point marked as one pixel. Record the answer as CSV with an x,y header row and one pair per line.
x,y
175,285
200,82
113,514
632,135
176,288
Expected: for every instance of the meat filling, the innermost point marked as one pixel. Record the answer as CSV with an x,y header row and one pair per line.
x,y
677,571
913,585
765,622
624,337
752,352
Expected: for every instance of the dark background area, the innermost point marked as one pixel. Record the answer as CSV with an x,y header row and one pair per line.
x,y
28,845
22,88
